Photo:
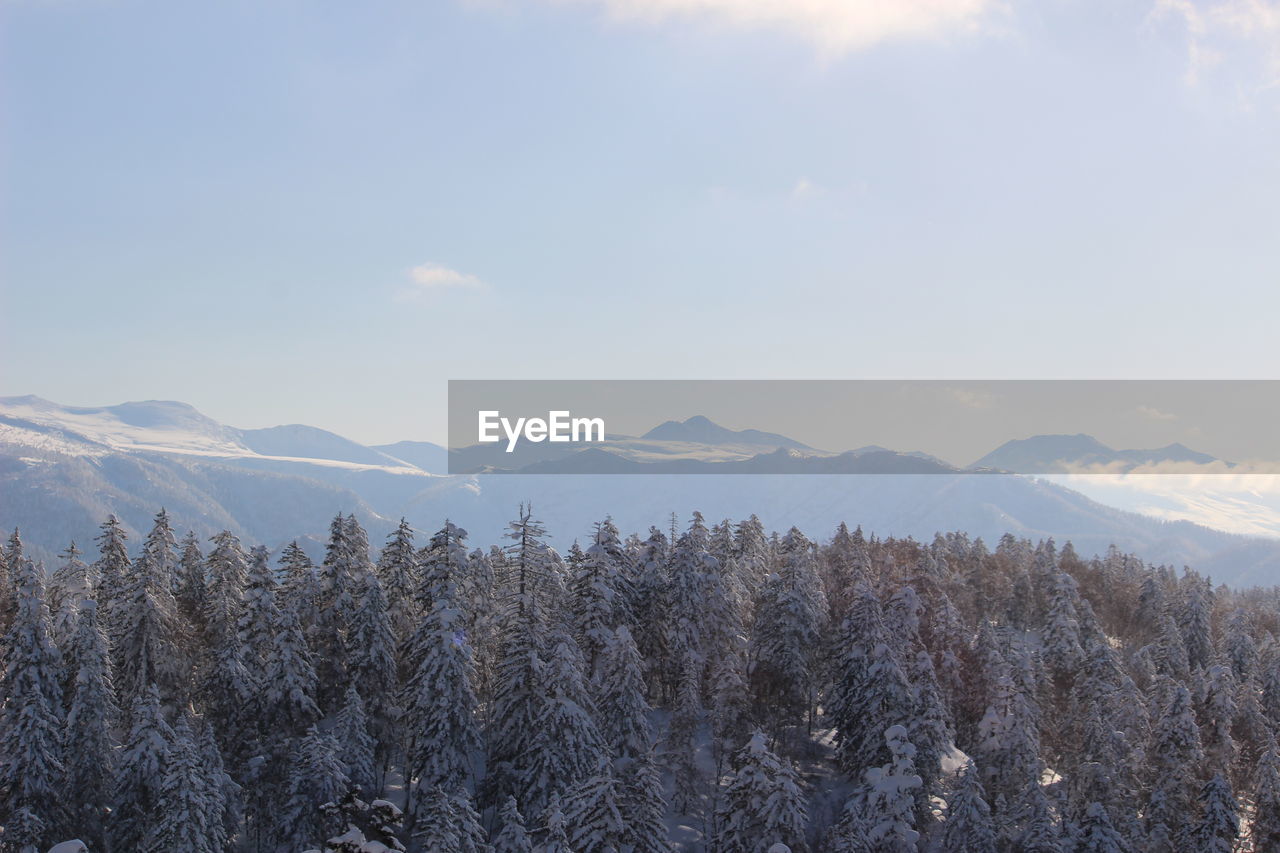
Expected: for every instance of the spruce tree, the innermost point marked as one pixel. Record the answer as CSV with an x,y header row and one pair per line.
x,y
1097,835
870,692
681,744
317,777
288,689
1062,648
1034,827
553,837
187,817
1219,826
1264,831
967,825
225,682
356,746
141,772
763,804
621,707
448,823
32,773
512,837
91,719
299,585
884,807
566,746
1194,621
71,584
1174,760
336,599
591,810
519,698
643,806
223,791
784,637
260,617
111,569
371,664
147,632
398,572
191,588
438,701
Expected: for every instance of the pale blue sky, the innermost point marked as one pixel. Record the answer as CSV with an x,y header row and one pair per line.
x,y
286,211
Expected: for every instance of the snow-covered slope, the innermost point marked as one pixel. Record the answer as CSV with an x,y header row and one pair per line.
x,y
169,427
156,425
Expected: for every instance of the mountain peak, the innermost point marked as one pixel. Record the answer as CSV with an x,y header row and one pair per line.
x,y
1045,454
702,430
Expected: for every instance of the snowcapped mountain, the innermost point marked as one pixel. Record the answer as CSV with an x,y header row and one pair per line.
x,y
1050,454
63,469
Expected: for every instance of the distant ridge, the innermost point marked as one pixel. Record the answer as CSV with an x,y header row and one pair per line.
x,y
1048,454
63,469
428,456
703,430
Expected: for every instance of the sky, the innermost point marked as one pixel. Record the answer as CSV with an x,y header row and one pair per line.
x,y
318,212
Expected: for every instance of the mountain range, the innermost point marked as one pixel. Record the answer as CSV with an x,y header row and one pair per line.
x,y
1053,454
64,469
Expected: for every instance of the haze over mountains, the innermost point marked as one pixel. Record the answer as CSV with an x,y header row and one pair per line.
x,y
64,469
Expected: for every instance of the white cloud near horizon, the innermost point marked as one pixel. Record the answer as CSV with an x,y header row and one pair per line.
x,y
834,27
429,278
1243,503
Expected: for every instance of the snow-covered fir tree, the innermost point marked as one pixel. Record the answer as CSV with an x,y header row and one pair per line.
x,y
448,823
512,837
138,794
111,568
870,693
356,746
190,589
398,572
71,584
681,742
92,718
438,701
1219,826
882,812
762,803
1096,834
592,813
318,777
371,662
189,815
146,632
32,773
967,825
1108,703
553,836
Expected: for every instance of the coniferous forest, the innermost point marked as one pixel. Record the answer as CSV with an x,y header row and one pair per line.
x,y
697,687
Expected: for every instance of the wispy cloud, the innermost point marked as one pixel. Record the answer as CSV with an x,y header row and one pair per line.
x,y
1152,413
834,27
429,278
1227,31
971,399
